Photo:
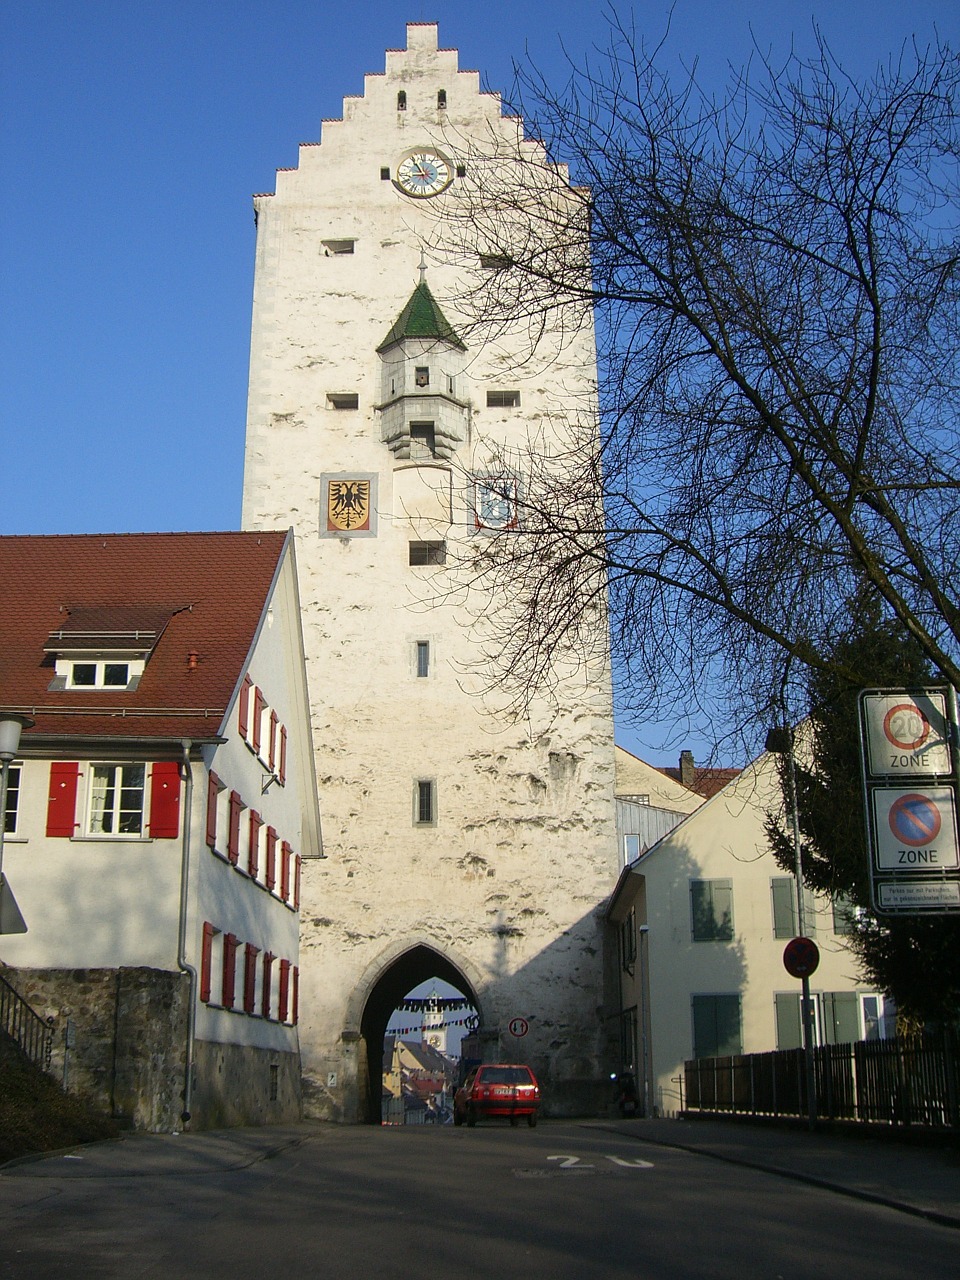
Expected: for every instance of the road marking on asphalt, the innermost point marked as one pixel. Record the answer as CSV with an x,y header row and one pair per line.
x,y
573,1166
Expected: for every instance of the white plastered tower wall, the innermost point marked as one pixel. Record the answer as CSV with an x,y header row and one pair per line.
x,y
506,884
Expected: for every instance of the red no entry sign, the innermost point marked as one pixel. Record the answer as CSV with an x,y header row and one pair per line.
x,y
801,957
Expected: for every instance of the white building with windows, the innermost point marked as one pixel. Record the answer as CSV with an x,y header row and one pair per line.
x,y
702,918
462,843
159,815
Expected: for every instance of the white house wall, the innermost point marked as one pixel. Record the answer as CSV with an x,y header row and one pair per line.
x,y
724,839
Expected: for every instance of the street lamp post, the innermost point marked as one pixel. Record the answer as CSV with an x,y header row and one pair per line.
x,y
11,726
780,742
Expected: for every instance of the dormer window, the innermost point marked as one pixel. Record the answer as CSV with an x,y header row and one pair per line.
x,y
98,675
104,647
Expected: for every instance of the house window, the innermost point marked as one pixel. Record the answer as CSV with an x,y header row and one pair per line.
x,y
116,800
716,1026
98,675
503,399
425,802
494,261
631,848
844,915
441,99
785,922
384,175
711,907
428,553
335,248
423,440
423,659
343,399
274,1081
628,941
13,801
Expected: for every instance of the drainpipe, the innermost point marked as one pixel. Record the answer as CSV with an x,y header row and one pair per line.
x,y
182,962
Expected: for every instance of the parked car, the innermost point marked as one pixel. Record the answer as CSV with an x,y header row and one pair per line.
x,y
498,1089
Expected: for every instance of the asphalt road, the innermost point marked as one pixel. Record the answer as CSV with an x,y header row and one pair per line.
x,y
561,1201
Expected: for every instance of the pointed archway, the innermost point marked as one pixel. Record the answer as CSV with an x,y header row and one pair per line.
x,y
408,970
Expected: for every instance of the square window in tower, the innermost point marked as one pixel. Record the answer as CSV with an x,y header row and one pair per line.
x,y
422,376
423,440
428,553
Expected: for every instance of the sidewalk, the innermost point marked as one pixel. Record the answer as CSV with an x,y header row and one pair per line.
x,y
918,1179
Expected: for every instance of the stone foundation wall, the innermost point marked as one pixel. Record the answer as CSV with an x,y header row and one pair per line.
x,y
128,1032
234,1084
128,1051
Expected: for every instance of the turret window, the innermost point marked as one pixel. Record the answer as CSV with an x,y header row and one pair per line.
x,y
422,376
423,441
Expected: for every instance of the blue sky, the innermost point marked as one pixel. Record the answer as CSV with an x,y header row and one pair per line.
x,y
133,133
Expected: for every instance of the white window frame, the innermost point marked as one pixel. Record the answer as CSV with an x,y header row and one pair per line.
x,y
65,667
91,791
14,784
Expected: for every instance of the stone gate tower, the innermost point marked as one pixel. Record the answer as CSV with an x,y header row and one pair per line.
x,y
460,842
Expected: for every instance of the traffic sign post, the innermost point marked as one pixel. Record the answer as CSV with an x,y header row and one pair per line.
x,y
909,757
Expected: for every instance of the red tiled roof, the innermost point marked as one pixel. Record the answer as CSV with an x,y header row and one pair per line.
x,y
705,782
212,586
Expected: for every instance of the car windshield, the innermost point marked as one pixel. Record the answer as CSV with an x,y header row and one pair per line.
x,y
506,1075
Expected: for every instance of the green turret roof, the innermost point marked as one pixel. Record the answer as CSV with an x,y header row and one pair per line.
x,y
421,318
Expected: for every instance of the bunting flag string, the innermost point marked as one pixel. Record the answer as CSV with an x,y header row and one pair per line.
x,y
434,1026
442,1004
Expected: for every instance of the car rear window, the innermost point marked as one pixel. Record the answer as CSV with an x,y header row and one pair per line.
x,y
505,1075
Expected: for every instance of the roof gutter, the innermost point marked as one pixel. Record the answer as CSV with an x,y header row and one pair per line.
x,y
182,962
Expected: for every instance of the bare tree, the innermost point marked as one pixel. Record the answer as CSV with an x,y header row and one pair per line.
x,y
775,281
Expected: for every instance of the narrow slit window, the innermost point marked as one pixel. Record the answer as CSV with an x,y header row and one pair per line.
x,y
461,170
402,100
423,659
426,802
441,99
503,399
428,553
384,174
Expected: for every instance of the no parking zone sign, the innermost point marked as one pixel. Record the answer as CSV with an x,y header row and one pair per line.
x,y
908,742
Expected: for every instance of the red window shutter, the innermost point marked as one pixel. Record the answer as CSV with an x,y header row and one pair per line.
x,y
165,800
250,977
271,878
259,703
271,758
295,1017
243,710
284,989
298,866
62,798
214,787
230,944
233,839
283,755
267,983
285,855
206,960
253,858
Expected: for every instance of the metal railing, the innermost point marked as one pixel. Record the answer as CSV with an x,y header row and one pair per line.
x,y
23,1024
913,1081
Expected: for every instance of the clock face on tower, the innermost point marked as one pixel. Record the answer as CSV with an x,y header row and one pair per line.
x,y
424,173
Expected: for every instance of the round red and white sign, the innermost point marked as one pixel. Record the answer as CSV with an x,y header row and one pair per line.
x,y
518,1027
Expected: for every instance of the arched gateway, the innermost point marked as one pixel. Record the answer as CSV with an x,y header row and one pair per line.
x,y
411,966
378,423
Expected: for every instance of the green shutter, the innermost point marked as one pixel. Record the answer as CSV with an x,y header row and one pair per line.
x,y
843,916
716,1026
784,907
842,1016
789,1021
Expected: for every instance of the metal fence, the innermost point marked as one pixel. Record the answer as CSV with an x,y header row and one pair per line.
x,y
894,1082
23,1024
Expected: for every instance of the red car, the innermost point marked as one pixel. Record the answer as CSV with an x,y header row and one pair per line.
x,y
498,1089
